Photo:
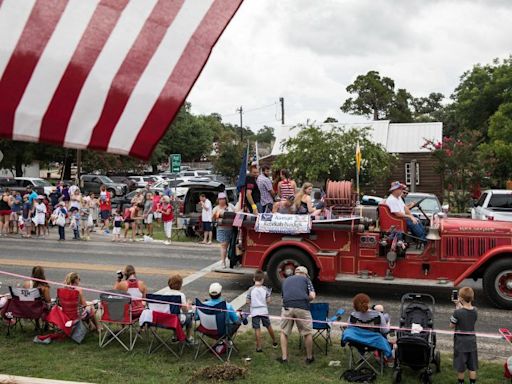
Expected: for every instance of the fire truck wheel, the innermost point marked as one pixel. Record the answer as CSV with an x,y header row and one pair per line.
x,y
498,283
283,263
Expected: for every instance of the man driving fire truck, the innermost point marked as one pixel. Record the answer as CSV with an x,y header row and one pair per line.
x,y
399,209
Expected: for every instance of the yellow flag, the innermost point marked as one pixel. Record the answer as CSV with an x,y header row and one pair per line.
x,y
358,158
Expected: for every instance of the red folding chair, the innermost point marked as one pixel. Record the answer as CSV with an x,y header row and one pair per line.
x,y
67,311
119,316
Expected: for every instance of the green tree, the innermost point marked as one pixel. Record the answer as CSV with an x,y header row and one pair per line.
x,y
317,155
428,108
265,135
330,120
374,96
498,151
399,110
228,162
458,162
481,92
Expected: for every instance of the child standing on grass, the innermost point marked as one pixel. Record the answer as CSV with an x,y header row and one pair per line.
x,y
167,217
118,223
465,354
258,298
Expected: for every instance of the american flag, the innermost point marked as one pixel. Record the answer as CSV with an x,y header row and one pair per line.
x,y
238,220
102,74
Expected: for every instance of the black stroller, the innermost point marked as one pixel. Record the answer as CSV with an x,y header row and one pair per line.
x,y
417,348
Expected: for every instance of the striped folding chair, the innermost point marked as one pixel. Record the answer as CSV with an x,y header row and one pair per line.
x,y
164,314
214,331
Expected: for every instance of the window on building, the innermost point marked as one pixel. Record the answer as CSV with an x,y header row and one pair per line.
x,y
408,173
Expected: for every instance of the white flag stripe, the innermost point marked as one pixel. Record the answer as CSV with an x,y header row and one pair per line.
x,y
51,67
10,32
156,74
89,105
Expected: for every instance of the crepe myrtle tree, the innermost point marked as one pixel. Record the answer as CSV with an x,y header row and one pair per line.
x,y
316,155
461,167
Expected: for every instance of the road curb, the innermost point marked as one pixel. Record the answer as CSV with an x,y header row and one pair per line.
x,y
8,379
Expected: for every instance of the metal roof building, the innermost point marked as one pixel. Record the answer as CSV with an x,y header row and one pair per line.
x,y
395,137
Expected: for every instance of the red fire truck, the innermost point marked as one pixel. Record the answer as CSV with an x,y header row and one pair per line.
x,y
350,250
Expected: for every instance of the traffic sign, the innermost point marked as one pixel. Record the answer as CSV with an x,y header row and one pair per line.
x,y
175,163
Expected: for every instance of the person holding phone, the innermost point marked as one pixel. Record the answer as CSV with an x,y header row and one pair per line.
x,y
465,354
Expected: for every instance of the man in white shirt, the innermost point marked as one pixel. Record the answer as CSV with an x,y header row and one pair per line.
x,y
399,209
206,217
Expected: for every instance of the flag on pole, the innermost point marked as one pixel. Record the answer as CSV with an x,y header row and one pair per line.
x,y
358,158
102,74
242,175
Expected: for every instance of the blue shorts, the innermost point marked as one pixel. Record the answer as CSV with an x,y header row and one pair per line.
x,y
207,226
105,215
223,235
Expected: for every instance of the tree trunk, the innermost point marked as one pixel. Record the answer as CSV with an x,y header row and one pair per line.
x,y
18,166
67,168
375,114
154,168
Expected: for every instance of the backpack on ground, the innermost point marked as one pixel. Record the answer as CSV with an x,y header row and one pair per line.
x,y
362,375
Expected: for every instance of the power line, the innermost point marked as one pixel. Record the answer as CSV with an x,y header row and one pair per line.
x,y
249,110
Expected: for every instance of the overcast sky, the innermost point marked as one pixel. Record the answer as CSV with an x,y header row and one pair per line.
x,y
308,51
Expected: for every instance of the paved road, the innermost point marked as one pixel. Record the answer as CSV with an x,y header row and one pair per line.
x,y
98,261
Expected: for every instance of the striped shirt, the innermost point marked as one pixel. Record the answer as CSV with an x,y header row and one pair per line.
x,y
286,189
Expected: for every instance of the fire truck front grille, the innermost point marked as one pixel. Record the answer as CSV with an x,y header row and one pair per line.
x,y
467,247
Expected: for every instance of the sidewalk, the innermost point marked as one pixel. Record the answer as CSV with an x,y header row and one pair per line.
x,y
101,237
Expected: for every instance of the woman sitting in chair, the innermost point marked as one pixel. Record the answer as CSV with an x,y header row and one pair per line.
x,y
134,287
44,288
88,312
374,317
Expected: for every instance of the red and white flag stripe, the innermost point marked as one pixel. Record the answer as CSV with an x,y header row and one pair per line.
x,y
102,74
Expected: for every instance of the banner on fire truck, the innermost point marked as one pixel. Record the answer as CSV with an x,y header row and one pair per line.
x,y
285,224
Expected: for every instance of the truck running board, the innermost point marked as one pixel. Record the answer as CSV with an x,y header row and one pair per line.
x,y
236,271
345,277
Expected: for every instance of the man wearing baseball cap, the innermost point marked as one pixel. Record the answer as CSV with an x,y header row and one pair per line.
x,y
297,292
234,320
398,208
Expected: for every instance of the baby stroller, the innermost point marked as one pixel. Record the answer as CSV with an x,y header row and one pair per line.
x,y
416,346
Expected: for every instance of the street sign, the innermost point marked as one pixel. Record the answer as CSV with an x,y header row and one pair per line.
x,y
175,163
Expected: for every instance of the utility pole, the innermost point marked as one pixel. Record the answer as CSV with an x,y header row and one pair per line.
x,y
78,166
281,100
241,110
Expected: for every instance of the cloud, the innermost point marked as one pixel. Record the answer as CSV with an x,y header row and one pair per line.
x,y
309,51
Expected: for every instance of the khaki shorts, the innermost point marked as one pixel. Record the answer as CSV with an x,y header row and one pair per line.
x,y
299,316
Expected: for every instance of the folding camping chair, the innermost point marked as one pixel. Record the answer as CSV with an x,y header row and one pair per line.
x,y
164,316
117,311
212,324
25,303
367,347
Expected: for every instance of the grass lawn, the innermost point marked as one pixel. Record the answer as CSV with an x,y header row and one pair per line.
x,y
66,360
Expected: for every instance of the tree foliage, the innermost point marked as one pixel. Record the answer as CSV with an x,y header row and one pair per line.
x,y
374,95
316,155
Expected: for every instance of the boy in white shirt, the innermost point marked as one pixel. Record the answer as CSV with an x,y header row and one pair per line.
x,y
258,298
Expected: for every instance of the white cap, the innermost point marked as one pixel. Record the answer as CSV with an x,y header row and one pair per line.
x,y
215,289
301,269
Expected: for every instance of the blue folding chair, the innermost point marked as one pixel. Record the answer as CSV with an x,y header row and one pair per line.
x,y
320,314
214,330
171,306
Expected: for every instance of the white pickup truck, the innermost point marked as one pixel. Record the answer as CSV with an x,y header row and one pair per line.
x,y
494,204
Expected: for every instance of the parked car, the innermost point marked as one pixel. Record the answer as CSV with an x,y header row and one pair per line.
x,y
132,185
36,183
92,184
12,184
494,204
195,173
191,209
429,204
142,181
